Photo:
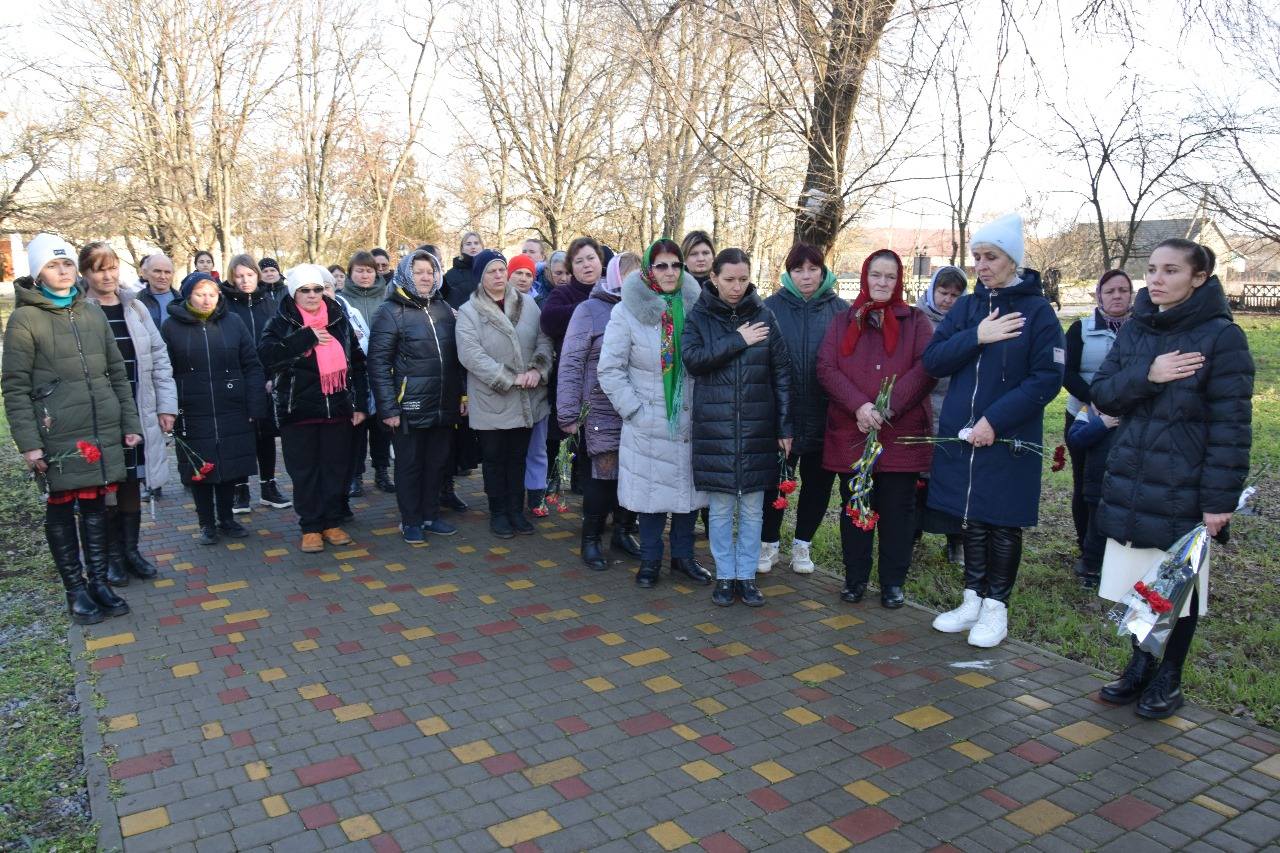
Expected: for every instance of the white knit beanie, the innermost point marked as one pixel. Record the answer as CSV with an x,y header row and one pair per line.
x,y
305,274
1004,233
47,247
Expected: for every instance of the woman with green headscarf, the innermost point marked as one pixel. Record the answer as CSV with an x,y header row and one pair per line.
x,y
643,374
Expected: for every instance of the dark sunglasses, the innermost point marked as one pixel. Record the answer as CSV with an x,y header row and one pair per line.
x,y
664,266
311,289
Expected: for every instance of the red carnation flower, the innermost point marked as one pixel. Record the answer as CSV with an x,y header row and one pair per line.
x,y
780,503
787,486
206,469
89,451
1059,458
197,477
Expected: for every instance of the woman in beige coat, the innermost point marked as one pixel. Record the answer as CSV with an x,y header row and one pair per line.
x,y
508,362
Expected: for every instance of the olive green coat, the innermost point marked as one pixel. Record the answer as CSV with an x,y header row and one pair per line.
x,y
64,381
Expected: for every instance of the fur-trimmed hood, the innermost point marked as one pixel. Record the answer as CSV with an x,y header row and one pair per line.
x,y
512,306
647,306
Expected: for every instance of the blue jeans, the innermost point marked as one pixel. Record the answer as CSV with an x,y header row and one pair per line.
x,y
652,524
736,558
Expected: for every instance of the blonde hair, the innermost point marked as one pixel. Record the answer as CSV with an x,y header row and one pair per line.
x,y
628,262
242,260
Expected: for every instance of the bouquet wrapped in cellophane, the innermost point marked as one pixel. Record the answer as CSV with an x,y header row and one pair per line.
x,y
1151,609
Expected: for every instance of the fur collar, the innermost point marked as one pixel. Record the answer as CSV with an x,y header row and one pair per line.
x,y
512,305
647,306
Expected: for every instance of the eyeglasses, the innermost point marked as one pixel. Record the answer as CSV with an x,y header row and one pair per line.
x,y
664,266
315,289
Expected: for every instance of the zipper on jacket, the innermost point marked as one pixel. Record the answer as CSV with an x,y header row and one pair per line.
x,y
88,381
426,309
737,409
213,400
973,407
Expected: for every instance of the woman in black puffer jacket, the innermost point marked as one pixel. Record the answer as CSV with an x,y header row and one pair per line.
x,y
741,416
321,393
417,388
1180,378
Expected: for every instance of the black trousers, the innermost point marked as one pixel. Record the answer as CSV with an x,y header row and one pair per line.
x,y
1094,546
266,446
893,495
1175,651
422,457
502,453
213,502
371,437
992,555
318,459
811,508
599,497
1079,509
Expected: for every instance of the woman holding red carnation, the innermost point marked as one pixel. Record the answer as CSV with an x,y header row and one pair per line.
x,y
71,413
879,337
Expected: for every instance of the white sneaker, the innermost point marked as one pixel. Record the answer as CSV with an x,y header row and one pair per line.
x,y
962,618
992,625
768,557
801,562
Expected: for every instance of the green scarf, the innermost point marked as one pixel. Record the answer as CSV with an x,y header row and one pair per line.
x,y
671,329
59,301
828,282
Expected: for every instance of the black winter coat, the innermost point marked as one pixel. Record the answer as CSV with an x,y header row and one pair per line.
x,y
460,282
741,396
286,353
253,309
413,361
803,324
1182,447
220,387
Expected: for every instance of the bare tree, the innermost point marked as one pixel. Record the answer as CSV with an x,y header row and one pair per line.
x,y
28,148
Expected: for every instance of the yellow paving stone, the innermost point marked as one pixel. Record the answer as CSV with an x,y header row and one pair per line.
x,y
1083,733
647,618
559,534
924,717
520,584
229,586
971,750
305,645
188,527
1035,703
518,830
1180,723
401,660
235,637
810,604
275,673
975,679
313,691
347,555
384,608
375,585
360,827
646,657
776,589
385,531
1270,766
592,598
821,672
1039,817
211,730
662,684
554,771
685,732
869,792
487,599
553,615
499,550
164,558
417,633
801,716
682,589
1215,806
275,806
598,684
216,604
395,567
844,620
164,583
186,670
669,835
256,771
140,822
735,649
709,706
275,552
122,722
432,726
703,771
235,546
437,589
347,567
708,628
466,549
477,750
548,564
1180,754
355,711
845,649
772,771
328,577
246,616
828,839
611,639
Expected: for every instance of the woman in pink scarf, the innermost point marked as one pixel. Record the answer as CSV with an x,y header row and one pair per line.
x,y
321,391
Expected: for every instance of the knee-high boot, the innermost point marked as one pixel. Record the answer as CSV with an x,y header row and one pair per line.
x,y
117,567
130,526
626,527
64,546
94,541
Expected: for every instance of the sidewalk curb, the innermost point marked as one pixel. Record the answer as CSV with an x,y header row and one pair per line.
x,y
102,806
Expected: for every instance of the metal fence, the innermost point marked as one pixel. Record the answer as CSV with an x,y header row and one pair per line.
x,y
1255,295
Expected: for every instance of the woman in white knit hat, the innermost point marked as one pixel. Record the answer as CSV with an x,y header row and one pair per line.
x,y
1002,348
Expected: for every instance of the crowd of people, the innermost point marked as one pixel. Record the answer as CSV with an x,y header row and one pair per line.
x,y
659,386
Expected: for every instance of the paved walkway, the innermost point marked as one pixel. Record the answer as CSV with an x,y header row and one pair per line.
x,y
474,695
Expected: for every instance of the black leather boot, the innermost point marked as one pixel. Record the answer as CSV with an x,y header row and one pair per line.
x,y
592,552
750,593
625,529
382,479
692,569
449,497
117,567
892,597
1133,681
93,526
1163,695
723,594
650,572
515,514
64,545
853,592
138,565
499,524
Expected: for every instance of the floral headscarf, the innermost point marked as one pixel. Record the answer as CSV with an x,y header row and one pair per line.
x,y
672,327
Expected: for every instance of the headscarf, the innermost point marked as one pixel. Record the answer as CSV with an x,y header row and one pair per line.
x,y
672,328
1102,318
926,304
402,278
864,307
613,277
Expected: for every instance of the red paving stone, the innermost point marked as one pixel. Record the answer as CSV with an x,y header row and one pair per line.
x,y
768,799
297,598
714,744
442,677
1128,812
889,670
388,720
1024,664
494,628
886,756
560,664
448,638
315,817
311,633
507,762
327,703
349,647
109,662
582,633
149,763
232,696
244,737
391,627
840,724
889,638
763,656
1002,800
226,650
236,627
170,621
866,824
744,677
529,610
811,694
467,659
384,843
327,771
1264,746
572,788
233,670
1035,752
712,653
646,723
572,725
721,842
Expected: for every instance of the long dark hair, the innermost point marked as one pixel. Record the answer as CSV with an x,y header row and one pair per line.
x,y
730,256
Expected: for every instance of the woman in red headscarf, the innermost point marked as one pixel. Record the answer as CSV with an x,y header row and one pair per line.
x,y
878,337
